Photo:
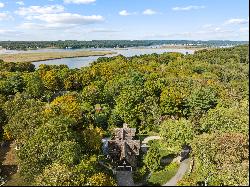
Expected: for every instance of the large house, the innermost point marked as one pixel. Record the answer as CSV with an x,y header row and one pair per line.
x,y
123,149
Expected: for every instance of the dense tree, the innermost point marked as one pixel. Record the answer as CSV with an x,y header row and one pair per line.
x,y
12,67
92,139
173,101
202,99
11,84
177,133
67,105
34,86
83,174
152,159
51,81
23,123
52,142
222,119
54,175
221,159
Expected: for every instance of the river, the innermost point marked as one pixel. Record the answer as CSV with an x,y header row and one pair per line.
x,y
85,61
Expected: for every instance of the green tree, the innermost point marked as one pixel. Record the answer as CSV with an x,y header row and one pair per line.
x,y
34,86
220,119
177,133
202,99
25,121
52,142
152,159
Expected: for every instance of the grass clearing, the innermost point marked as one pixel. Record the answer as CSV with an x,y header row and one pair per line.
x,y
42,56
16,180
8,159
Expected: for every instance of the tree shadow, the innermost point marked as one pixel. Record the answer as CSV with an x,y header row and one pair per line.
x,y
165,160
5,148
7,170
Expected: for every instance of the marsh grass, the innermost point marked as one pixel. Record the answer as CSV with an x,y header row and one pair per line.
x,y
42,56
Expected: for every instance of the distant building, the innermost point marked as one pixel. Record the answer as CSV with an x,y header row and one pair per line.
x,y
123,149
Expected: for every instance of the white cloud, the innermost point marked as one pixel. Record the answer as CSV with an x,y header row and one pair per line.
x,y
21,3
8,32
191,7
103,30
79,1
217,29
5,16
244,29
3,31
47,26
1,5
237,21
34,10
149,12
126,13
67,18
53,17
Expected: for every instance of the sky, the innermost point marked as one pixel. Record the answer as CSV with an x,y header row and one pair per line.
x,y
124,20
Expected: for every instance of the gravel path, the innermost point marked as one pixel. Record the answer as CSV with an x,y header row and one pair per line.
x,y
184,165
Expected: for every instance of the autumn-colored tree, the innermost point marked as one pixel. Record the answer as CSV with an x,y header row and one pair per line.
x,y
101,179
67,105
92,139
51,80
54,175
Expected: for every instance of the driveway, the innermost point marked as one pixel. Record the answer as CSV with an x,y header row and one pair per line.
x,y
184,165
124,178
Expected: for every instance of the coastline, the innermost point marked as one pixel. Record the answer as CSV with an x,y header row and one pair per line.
x,y
44,56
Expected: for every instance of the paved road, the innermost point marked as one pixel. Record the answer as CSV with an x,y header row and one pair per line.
x,y
124,178
184,165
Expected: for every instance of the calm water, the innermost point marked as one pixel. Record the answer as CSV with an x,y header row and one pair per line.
x,y
85,61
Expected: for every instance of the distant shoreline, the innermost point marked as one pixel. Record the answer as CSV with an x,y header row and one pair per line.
x,y
185,47
120,48
176,47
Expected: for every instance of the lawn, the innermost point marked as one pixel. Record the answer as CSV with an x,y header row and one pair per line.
x,y
16,180
161,177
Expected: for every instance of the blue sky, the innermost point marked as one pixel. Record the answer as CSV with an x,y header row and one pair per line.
x,y
124,19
